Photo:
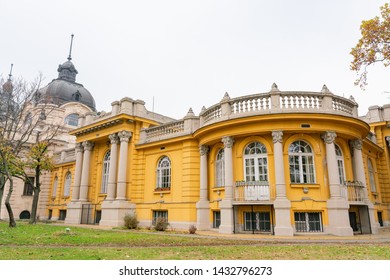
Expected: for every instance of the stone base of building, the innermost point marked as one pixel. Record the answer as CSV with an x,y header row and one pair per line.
x,y
73,212
113,212
203,215
283,226
226,226
338,218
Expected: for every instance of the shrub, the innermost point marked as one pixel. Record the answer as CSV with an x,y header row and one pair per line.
x,y
161,224
131,221
192,229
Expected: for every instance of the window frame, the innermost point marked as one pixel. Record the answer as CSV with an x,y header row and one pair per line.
x,y
105,172
67,183
340,163
220,168
28,189
71,119
305,222
55,186
159,214
164,174
257,221
306,161
371,175
258,162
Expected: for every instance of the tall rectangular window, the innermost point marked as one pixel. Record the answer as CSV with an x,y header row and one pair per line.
x,y
216,219
29,187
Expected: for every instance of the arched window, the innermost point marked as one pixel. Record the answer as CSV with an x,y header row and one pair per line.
x,y
163,173
106,167
301,161
371,175
68,181
220,169
72,119
255,162
55,185
340,163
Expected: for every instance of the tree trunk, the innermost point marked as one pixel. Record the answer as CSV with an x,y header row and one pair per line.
x,y
2,185
12,222
37,190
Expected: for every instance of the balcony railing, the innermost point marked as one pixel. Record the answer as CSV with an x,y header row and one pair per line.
x,y
353,191
278,102
252,192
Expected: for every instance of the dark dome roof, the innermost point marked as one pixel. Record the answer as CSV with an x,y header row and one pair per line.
x,y
64,89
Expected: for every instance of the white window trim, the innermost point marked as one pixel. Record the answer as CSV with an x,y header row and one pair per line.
x,y
256,158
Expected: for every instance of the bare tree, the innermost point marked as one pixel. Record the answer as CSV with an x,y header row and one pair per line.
x,y
22,115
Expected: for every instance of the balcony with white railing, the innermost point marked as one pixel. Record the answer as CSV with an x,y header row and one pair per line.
x,y
276,102
252,193
272,102
353,191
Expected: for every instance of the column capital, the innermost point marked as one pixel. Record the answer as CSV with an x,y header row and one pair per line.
x,y
329,137
228,141
87,145
357,144
277,136
79,147
114,139
204,150
124,135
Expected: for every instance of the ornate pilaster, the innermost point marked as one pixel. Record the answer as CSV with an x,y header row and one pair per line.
x,y
124,137
368,223
77,175
282,204
337,205
112,172
85,170
203,206
204,150
226,205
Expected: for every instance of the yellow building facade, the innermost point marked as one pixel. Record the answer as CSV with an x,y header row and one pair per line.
x,y
280,162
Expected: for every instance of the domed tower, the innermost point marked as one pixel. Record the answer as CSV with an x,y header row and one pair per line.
x,y
65,89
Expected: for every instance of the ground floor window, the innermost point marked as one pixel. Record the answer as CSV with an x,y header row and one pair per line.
x,y
308,221
380,219
159,214
62,215
259,221
24,215
216,219
50,214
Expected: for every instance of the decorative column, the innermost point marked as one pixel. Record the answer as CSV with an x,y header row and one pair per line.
x,y
114,210
73,211
281,204
331,161
226,205
85,171
203,205
124,137
112,172
368,223
77,174
338,216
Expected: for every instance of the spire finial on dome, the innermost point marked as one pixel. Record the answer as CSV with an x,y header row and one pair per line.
x,y
10,72
70,49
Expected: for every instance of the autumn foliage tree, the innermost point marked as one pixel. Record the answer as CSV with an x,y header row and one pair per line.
x,y
22,121
373,46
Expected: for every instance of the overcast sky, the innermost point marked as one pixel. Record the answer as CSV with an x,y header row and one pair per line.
x,y
188,54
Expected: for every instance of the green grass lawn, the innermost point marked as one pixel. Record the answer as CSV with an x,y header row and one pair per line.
x,y
53,242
